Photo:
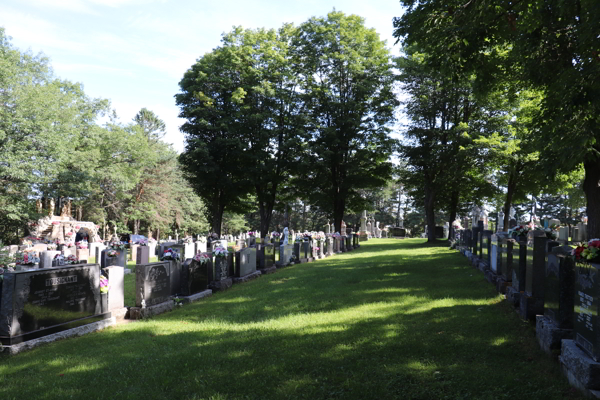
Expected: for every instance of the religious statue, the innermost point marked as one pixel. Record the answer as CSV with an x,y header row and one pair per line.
x,y
51,207
286,234
38,206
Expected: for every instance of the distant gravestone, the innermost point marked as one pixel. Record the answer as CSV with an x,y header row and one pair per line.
x,y
559,292
245,262
286,251
153,283
142,255
119,260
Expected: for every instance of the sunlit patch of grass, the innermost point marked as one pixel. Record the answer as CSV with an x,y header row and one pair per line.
x,y
393,319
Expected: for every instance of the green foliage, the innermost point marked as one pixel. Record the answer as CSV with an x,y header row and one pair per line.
x,y
347,80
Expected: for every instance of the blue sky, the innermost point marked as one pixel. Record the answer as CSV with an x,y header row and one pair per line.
x,y
134,52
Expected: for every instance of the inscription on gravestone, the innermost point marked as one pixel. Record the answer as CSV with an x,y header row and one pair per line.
x,y
38,302
194,277
586,306
153,283
245,262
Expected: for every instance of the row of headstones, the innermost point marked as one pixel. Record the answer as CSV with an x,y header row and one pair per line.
x,y
541,279
39,302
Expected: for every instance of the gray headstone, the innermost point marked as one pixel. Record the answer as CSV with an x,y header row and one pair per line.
x,y
153,283
245,262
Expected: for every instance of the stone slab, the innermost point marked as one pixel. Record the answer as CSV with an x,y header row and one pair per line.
x,y
270,270
530,306
549,335
247,278
581,371
196,296
223,284
78,331
156,309
513,296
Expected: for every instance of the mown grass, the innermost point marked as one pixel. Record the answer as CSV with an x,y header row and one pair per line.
x,y
392,320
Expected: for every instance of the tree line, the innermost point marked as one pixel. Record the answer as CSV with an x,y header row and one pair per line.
x,y
52,146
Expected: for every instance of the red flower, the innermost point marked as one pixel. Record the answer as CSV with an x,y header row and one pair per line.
x,y
595,243
578,252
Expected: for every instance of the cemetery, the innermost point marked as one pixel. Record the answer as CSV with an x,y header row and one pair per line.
x,y
399,201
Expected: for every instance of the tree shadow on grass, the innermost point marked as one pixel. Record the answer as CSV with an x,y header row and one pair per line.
x,y
398,327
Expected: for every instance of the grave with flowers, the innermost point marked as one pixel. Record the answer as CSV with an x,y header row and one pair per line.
x,y
222,271
142,251
116,254
580,357
174,256
196,274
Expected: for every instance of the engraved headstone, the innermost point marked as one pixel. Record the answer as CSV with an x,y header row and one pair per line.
x,y
245,262
40,302
559,292
587,299
119,259
194,276
153,283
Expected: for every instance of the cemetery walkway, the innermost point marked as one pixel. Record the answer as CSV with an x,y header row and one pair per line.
x,y
394,319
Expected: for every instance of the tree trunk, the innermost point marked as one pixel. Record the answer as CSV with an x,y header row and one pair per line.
x,y
339,206
286,217
591,187
453,207
136,226
303,228
510,190
429,212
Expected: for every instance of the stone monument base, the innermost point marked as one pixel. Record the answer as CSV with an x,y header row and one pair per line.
x,y
141,313
491,277
269,270
513,296
529,307
223,284
247,278
196,296
581,371
483,266
502,284
78,331
549,335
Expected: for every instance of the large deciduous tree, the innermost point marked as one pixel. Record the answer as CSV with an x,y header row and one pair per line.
x,y
347,80
553,45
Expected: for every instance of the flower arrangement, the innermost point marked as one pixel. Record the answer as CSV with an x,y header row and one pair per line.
x,y
520,231
202,258
52,246
587,252
104,286
71,259
336,235
55,222
25,258
143,242
170,254
82,245
275,235
220,252
551,233
70,233
251,233
112,253
118,245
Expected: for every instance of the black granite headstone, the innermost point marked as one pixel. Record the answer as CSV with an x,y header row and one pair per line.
x,y
587,299
120,260
439,232
519,266
559,292
153,283
221,268
40,302
268,256
194,277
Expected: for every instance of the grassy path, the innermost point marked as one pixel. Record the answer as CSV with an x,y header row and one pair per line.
x,y
391,320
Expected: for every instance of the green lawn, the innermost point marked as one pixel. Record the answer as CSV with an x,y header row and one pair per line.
x,y
396,319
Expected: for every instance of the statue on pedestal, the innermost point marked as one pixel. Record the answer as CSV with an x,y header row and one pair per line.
x,y
286,234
